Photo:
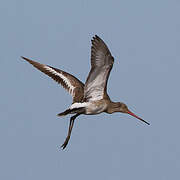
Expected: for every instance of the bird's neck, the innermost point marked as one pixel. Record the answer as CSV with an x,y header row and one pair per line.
x,y
112,107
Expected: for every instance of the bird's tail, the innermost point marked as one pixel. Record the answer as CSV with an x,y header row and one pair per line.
x,y
71,111
66,112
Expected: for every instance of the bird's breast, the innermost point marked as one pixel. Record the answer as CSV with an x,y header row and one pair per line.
x,y
95,107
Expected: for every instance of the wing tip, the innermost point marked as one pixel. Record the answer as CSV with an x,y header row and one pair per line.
x,y
95,37
25,58
22,57
31,61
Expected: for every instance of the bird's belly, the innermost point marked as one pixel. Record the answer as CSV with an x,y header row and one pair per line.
x,y
94,108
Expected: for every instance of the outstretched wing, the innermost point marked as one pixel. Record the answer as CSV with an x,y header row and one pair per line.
x,y
101,65
73,85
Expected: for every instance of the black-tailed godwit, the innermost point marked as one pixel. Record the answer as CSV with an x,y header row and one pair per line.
x,y
89,98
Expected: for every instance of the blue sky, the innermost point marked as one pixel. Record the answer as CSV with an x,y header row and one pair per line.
x,y
144,38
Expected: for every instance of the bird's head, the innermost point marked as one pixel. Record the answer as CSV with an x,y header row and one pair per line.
x,y
121,107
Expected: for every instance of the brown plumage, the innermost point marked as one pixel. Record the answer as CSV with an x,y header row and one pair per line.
x,y
78,91
89,98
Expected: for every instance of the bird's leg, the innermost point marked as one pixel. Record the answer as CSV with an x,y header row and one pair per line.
x,y
71,123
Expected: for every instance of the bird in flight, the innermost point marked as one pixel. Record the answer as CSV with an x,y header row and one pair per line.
x,y
89,98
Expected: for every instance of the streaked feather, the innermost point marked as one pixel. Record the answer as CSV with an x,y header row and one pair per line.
x,y
73,85
101,65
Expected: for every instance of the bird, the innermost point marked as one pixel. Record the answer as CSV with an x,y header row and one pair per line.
x,y
91,97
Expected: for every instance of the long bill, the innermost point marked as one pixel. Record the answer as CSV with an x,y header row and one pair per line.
x,y
132,114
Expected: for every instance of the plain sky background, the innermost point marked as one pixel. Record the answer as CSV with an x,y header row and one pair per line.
x,y
144,38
